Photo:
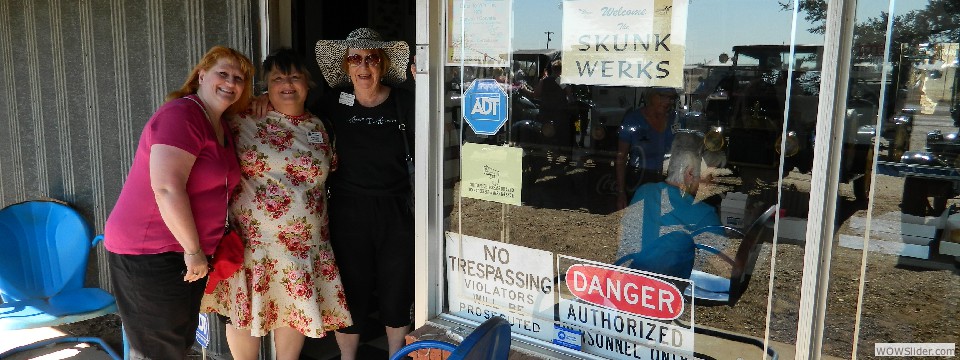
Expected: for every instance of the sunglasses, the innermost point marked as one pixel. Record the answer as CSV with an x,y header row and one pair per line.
x,y
357,60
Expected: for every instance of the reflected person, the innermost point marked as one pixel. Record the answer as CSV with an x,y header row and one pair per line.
x,y
554,115
657,224
645,136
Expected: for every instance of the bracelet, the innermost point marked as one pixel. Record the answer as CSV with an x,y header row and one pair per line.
x,y
192,254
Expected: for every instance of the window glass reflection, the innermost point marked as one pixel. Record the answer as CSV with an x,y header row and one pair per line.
x,y
894,273
601,180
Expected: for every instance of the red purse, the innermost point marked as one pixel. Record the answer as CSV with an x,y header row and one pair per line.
x,y
227,259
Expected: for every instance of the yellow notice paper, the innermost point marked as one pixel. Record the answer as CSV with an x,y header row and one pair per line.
x,y
491,173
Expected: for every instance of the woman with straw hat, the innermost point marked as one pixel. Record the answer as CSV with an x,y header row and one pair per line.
x,y
371,222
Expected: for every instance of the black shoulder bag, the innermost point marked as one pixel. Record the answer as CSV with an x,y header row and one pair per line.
x,y
401,115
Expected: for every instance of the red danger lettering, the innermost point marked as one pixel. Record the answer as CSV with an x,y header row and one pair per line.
x,y
632,293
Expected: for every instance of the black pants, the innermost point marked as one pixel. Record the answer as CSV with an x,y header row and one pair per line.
x,y
372,239
158,309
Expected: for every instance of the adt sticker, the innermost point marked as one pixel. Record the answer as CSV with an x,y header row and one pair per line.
x,y
484,106
568,337
203,331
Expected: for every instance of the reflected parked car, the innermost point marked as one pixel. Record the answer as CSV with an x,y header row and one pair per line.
x,y
743,114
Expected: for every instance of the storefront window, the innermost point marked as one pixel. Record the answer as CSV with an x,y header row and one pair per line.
x,y
614,167
902,116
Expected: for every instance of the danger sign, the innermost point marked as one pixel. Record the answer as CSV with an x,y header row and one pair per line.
x,y
624,313
633,293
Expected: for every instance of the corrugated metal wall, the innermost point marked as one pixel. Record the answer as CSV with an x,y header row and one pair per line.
x,y
79,79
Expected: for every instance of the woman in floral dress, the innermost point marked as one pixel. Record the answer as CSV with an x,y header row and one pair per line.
x,y
289,282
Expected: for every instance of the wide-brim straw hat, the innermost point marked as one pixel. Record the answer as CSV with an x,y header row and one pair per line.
x,y
330,55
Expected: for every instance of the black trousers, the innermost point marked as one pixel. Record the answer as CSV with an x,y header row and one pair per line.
x,y
372,239
158,309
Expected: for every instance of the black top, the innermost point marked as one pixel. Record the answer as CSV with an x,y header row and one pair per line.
x,y
369,144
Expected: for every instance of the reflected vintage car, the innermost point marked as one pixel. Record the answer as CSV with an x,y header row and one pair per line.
x,y
740,108
931,177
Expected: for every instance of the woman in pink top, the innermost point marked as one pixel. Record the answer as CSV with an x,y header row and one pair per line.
x,y
172,209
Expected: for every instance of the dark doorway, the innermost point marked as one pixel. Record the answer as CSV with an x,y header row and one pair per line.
x,y
315,20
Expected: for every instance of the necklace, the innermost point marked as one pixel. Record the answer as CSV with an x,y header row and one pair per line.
x,y
294,118
204,108
216,127
226,179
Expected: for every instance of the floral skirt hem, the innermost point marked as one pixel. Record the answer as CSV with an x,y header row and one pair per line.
x,y
264,332
311,305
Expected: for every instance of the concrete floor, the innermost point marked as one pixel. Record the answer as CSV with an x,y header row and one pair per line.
x,y
374,347
10,339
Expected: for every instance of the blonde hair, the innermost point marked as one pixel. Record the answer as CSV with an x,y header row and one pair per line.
x,y
210,59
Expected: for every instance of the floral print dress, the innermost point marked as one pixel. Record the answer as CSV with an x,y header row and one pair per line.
x,y
289,277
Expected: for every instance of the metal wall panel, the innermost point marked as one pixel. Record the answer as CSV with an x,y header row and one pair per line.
x,y
80,78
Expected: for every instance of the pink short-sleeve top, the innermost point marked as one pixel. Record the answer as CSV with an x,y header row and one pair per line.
x,y
135,227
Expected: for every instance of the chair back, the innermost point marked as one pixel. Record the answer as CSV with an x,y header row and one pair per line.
x,y
490,341
44,248
748,252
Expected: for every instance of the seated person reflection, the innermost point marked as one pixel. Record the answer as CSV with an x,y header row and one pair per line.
x,y
656,226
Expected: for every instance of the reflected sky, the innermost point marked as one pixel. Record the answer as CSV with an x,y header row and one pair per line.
x,y
714,26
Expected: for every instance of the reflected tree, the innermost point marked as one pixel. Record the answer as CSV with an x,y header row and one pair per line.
x,y
938,22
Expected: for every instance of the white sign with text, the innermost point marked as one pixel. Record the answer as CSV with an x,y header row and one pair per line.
x,y
624,313
634,43
488,278
476,32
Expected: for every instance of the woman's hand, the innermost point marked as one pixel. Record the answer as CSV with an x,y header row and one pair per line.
x,y
197,266
169,170
260,106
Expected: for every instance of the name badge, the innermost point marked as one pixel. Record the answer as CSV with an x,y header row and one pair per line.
x,y
347,99
315,137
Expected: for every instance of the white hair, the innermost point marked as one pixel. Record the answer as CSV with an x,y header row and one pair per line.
x,y
684,155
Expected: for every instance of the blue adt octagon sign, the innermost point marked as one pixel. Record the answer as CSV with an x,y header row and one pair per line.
x,y
485,106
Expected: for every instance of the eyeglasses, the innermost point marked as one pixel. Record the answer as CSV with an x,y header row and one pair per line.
x,y
357,60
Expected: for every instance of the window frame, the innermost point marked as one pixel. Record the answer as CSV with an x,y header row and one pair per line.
x,y
429,232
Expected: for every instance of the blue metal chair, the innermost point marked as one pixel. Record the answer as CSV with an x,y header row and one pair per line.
x,y
44,246
490,341
711,289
